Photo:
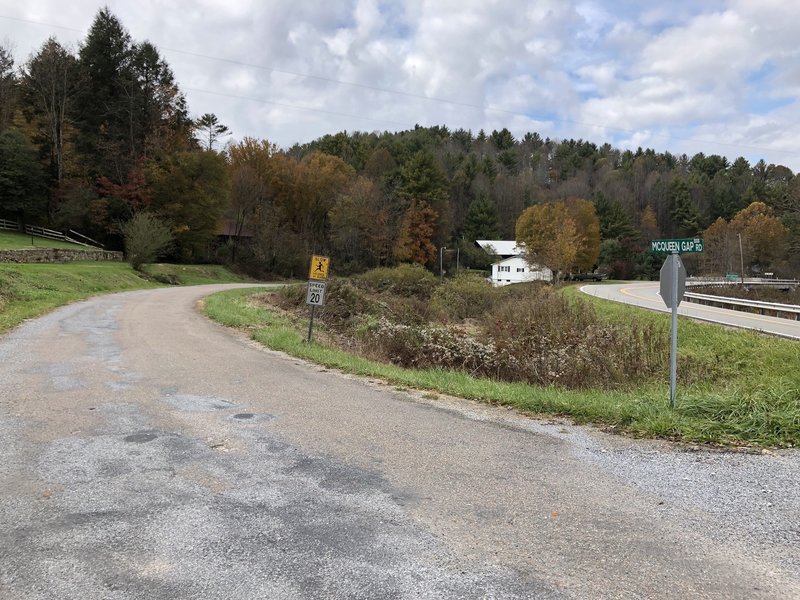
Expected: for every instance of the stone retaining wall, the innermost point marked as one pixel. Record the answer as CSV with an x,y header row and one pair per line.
x,y
57,255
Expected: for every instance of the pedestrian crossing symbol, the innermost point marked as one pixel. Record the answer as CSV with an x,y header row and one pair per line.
x,y
319,267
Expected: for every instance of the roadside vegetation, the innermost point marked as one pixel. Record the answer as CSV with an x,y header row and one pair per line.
x,y
538,351
30,290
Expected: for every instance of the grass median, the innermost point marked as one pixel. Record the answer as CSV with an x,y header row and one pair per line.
x,y
755,404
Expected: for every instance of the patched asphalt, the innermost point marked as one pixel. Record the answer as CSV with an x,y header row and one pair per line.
x,y
148,453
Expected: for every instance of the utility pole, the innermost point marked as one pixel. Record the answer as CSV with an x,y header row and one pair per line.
x,y
741,258
441,268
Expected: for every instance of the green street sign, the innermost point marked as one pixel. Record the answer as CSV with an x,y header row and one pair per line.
x,y
680,246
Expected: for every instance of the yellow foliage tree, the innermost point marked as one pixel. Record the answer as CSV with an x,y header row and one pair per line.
x,y
587,223
550,236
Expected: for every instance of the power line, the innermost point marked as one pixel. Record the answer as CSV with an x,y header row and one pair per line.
x,y
480,107
296,107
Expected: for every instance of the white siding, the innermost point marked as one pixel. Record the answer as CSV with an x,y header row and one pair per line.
x,y
516,270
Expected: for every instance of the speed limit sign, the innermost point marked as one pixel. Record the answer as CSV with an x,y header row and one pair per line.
x,y
316,293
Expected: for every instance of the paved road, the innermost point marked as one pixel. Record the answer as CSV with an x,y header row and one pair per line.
x,y
645,294
148,453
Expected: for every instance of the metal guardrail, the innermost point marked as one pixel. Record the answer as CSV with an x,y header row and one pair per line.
x,y
785,311
6,224
748,281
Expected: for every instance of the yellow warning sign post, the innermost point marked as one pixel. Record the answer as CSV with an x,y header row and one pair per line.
x,y
317,275
319,267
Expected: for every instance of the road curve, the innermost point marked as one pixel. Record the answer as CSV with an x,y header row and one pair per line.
x,y
645,294
149,453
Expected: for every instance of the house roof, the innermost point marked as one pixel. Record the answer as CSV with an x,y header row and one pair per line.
x,y
503,248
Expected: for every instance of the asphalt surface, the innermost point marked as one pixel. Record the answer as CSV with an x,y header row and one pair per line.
x,y
148,453
645,294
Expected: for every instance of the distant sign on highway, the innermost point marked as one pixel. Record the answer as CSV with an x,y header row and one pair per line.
x,y
683,245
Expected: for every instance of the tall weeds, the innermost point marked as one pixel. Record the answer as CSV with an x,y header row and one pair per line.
x,y
530,334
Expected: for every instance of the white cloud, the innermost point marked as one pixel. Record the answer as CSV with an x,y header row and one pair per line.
x,y
718,72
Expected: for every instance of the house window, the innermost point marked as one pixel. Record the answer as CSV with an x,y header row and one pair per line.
x,y
505,269
520,269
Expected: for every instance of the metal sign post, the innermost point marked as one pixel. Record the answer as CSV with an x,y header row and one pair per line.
x,y
315,296
672,283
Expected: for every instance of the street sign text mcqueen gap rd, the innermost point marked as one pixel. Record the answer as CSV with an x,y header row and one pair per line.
x,y
684,245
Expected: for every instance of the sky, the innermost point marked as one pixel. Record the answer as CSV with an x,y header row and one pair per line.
x,y
685,76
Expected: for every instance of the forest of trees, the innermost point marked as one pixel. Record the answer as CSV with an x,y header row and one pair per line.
x,y
89,139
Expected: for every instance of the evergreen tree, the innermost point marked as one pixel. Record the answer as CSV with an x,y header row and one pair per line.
x,y
128,103
8,82
685,216
48,85
158,113
208,130
614,221
22,183
481,221
103,103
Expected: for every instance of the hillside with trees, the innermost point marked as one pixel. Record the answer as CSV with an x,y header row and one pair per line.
x,y
89,139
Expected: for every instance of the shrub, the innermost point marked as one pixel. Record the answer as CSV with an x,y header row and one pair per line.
x,y
409,311
343,302
464,297
430,346
557,341
404,280
146,237
291,296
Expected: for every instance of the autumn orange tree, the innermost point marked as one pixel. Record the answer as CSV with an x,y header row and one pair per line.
x,y
550,236
415,239
763,238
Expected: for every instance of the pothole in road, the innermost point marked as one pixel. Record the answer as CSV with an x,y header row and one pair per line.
x,y
140,438
251,417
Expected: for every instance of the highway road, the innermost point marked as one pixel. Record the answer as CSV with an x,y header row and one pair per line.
x,y
147,453
645,294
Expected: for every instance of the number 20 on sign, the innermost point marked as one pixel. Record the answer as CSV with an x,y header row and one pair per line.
x,y
317,274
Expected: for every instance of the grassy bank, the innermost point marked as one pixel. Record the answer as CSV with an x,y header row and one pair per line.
x,y
756,401
29,290
10,240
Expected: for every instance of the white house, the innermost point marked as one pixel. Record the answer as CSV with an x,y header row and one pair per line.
x,y
513,268
516,270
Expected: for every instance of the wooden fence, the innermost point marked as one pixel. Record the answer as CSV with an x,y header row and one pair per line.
x,y
6,224
52,234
